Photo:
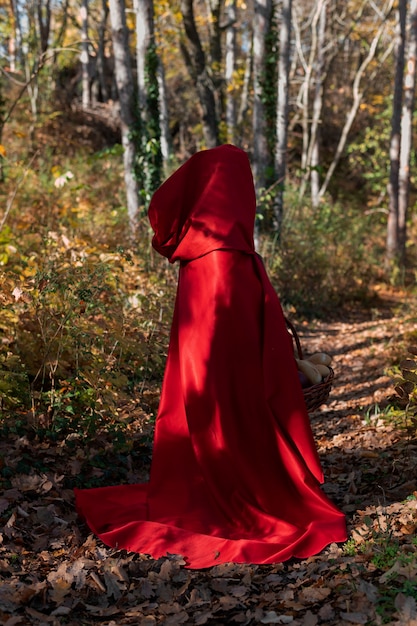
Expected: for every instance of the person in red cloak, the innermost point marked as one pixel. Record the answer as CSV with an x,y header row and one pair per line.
x,y
235,474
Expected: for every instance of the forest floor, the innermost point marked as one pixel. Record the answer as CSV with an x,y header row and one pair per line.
x,y
54,572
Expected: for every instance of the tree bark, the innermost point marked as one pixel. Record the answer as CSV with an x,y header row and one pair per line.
x,y
314,150
244,98
282,109
85,56
392,242
101,58
261,157
216,53
124,81
148,65
44,24
304,96
16,39
166,141
407,132
144,38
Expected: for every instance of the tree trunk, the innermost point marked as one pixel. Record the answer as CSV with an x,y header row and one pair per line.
x,y
230,59
85,56
15,46
166,141
38,24
407,132
144,38
282,109
261,157
124,81
304,96
196,62
244,98
392,243
148,64
44,24
216,53
101,57
314,156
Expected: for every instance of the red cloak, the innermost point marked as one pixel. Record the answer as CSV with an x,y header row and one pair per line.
x,y
235,472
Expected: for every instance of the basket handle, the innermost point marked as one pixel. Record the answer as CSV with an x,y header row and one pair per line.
x,y
295,337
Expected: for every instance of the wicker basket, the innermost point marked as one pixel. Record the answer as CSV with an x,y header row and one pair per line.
x,y
316,395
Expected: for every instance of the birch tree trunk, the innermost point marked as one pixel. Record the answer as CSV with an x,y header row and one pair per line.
x,y
144,38
407,132
314,148
304,95
16,39
166,142
244,98
261,157
37,23
124,82
85,57
392,243
282,109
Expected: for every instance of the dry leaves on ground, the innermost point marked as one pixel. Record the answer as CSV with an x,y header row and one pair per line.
x,y
53,572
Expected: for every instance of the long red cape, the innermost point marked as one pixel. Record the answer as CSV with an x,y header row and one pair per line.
x,y
235,474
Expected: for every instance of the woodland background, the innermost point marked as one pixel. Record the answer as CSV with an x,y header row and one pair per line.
x,y
99,102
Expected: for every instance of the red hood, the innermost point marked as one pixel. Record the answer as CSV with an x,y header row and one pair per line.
x,y
208,204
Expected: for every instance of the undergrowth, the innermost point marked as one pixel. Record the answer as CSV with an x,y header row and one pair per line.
x,y
325,259
85,311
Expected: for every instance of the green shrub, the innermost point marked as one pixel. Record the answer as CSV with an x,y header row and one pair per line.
x,y
323,260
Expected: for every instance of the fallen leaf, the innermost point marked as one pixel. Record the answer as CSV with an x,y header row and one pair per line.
x,y
12,621
326,612
178,618
4,504
310,619
314,594
113,588
239,591
39,616
355,618
60,589
272,618
406,606
202,618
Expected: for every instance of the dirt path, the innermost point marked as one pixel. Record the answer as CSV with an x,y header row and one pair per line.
x,y
354,431
53,572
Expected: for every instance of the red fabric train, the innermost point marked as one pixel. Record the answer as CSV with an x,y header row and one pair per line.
x,y
235,474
